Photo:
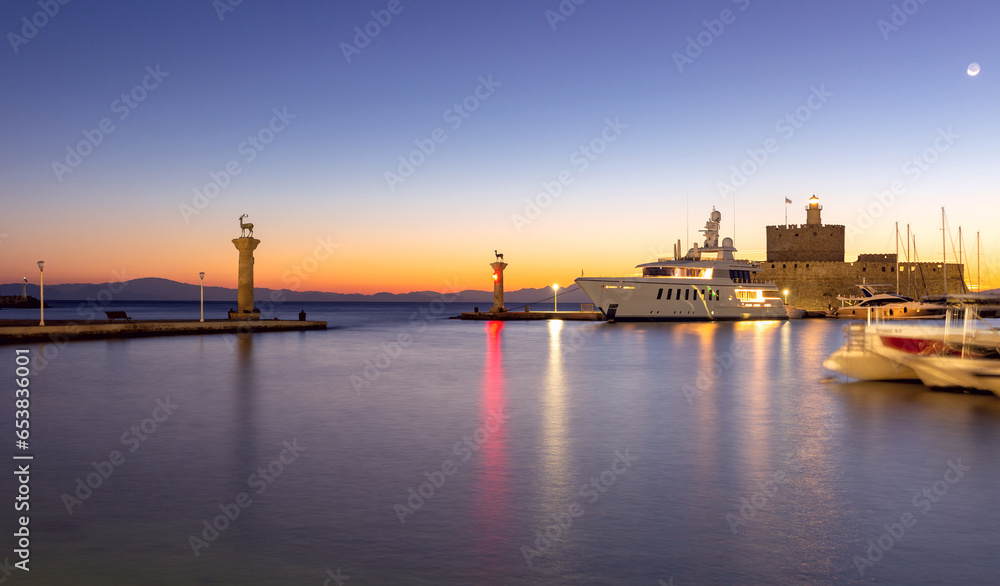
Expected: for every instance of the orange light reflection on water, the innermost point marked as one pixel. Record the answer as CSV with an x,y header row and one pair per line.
x,y
554,414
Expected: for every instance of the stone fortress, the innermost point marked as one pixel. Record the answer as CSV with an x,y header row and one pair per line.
x,y
807,260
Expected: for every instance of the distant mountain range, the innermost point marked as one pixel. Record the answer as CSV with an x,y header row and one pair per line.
x,y
155,289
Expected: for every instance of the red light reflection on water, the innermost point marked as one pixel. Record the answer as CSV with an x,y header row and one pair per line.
x,y
492,508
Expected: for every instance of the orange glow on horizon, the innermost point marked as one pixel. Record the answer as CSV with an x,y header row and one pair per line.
x,y
342,277
363,254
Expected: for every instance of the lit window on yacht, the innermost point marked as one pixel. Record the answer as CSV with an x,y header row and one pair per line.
x,y
750,295
677,272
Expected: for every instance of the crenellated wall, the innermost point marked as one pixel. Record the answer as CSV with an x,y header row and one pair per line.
x,y
805,242
815,285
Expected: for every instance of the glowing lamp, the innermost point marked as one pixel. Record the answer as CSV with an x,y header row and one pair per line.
x,y
202,275
41,290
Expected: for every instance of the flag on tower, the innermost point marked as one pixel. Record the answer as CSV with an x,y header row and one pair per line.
x,y
788,200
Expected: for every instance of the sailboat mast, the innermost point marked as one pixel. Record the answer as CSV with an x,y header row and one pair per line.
x,y
897,258
960,264
944,253
909,287
979,284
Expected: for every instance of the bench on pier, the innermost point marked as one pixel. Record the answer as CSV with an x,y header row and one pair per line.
x,y
113,315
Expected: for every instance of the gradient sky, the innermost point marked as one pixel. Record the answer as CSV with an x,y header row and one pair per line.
x,y
889,94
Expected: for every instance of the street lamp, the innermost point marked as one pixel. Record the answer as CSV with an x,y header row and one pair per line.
x,y
786,296
41,289
556,289
202,275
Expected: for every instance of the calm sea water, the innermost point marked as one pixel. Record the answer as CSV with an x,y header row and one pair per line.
x,y
399,447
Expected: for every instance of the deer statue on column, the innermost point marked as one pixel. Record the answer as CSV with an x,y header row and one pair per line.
x,y
246,229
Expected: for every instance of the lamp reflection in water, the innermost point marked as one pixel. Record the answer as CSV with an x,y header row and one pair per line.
x,y
554,431
493,505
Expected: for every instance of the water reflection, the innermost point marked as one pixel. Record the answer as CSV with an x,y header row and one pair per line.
x,y
702,395
554,430
245,397
493,504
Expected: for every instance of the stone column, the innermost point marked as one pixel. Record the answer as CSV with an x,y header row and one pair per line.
x,y
246,247
498,268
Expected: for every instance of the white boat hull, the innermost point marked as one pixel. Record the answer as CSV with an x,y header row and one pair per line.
x,y
946,371
900,311
867,365
938,357
794,312
644,299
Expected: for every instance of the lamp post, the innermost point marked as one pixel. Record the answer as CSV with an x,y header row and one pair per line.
x,y
556,289
24,288
786,296
202,275
41,289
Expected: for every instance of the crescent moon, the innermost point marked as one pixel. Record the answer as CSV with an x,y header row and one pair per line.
x,y
973,70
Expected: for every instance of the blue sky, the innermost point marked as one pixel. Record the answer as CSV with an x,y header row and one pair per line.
x,y
553,86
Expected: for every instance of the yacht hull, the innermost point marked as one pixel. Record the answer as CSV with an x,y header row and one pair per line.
x,y
640,299
893,311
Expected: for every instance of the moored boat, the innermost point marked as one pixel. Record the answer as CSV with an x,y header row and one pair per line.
x,y
939,355
707,283
887,305
794,312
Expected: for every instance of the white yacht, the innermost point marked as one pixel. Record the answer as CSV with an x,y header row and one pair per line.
x,y
706,284
887,305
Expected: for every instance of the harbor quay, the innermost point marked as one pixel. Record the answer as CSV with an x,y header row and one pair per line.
x,y
499,311
532,315
18,331
246,318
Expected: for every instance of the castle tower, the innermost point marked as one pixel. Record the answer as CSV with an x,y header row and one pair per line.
x,y
812,241
498,268
813,210
244,296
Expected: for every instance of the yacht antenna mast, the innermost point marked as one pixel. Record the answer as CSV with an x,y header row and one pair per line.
x,y
687,220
